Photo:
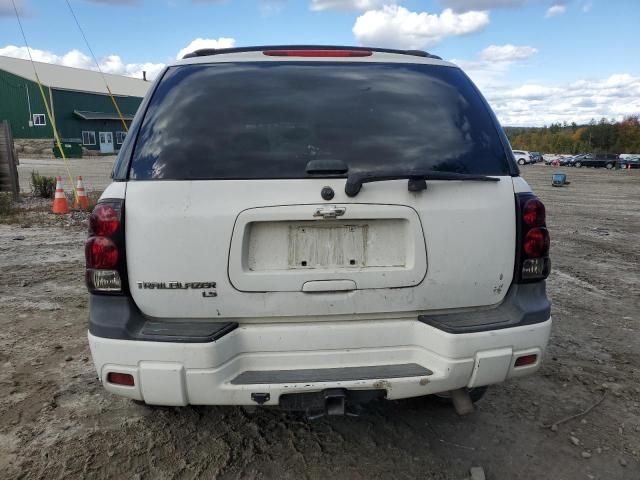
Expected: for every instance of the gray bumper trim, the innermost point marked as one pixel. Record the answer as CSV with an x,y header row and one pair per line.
x,y
258,377
524,304
119,318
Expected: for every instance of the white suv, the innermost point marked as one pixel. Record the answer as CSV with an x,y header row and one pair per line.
x,y
311,227
523,157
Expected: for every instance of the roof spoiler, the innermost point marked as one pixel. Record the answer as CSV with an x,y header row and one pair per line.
x,y
205,52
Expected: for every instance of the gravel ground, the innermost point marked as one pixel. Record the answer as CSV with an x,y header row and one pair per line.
x,y
57,422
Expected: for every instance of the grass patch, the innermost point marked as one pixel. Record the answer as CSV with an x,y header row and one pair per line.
x,y
42,186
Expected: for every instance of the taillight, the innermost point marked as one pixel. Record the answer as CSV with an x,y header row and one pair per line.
x,y
317,53
533,213
101,253
104,220
532,252
536,243
104,249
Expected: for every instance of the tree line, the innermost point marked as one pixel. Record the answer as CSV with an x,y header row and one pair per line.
x,y
599,137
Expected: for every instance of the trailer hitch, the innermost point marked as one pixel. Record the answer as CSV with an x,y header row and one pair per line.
x,y
335,404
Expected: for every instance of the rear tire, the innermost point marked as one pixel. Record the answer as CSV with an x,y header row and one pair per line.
x,y
521,161
609,166
475,393
578,164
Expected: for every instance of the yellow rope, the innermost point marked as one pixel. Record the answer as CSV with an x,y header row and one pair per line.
x,y
46,105
124,124
115,104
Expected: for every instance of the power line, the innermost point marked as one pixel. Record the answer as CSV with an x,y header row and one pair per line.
x,y
115,104
52,120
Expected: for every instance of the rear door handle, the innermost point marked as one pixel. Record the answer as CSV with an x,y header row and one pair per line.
x,y
329,212
329,286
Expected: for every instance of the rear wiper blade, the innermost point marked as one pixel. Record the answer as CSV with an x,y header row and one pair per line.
x,y
417,179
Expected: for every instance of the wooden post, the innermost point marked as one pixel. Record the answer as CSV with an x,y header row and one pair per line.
x,y
8,161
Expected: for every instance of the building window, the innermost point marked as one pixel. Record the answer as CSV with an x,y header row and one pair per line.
x,y
120,136
88,138
39,119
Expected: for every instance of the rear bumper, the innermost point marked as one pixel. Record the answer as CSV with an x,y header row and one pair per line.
x,y
407,358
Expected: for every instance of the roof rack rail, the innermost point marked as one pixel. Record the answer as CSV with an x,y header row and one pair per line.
x,y
205,52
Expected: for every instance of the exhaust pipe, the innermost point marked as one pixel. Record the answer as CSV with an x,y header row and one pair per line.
x,y
462,401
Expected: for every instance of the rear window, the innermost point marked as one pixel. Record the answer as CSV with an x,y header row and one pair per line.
x,y
269,119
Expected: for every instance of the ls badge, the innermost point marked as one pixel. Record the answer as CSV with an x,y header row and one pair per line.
x,y
208,288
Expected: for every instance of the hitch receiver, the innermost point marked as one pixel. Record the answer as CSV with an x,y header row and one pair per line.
x,y
335,401
260,398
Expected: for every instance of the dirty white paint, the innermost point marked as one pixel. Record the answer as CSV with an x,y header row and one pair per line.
x,y
451,246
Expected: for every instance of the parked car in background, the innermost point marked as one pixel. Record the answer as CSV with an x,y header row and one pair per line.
x,y
553,158
629,161
565,160
549,158
606,160
536,157
522,157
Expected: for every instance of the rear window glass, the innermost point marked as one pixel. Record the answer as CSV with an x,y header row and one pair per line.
x,y
269,119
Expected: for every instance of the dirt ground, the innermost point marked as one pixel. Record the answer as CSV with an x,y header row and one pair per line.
x,y
56,421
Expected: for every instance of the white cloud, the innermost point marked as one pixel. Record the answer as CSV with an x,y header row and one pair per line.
x,y
271,7
506,53
555,10
319,5
532,92
536,104
199,43
395,26
76,58
495,61
468,5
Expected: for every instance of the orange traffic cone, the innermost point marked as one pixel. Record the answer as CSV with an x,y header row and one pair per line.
x,y
81,201
60,204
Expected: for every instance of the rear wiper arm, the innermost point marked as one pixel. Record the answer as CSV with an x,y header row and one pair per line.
x,y
417,179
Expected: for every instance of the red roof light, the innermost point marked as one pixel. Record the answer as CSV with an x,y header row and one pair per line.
x,y
318,53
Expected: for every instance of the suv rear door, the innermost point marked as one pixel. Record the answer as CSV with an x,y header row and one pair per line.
x,y
219,192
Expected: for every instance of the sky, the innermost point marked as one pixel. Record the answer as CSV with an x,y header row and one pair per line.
x,y
536,61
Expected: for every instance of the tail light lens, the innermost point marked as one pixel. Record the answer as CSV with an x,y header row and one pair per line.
x,y
101,253
104,249
532,252
104,220
536,243
533,213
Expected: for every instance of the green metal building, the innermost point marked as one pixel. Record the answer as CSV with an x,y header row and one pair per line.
x,y
83,111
